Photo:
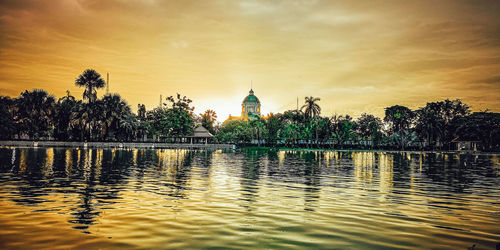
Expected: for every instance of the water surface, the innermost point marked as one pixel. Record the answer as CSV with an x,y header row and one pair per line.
x,y
100,198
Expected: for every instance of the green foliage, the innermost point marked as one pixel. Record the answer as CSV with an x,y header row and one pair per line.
x,y
399,120
344,129
370,128
175,119
291,133
36,114
155,118
177,122
273,126
234,132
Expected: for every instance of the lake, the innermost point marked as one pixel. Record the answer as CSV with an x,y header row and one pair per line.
x,y
251,199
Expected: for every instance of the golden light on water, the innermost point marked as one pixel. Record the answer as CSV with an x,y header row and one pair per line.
x,y
385,166
180,198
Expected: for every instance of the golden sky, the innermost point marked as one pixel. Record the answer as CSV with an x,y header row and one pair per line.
x,y
357,56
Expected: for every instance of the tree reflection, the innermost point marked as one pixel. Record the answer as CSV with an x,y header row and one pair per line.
x,y
450,172
205,160
250,176
33,185
176,166
311,179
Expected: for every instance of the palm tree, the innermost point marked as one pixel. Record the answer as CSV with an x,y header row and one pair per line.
x,y
114,109
92,81
128,125
62,119
311,107
35,112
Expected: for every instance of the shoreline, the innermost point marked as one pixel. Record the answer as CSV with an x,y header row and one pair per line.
x,y
164,145
372,150
150,145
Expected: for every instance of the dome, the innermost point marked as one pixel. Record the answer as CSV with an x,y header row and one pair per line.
x,y
251,98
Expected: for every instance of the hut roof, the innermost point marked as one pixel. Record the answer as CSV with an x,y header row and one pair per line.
x,y
201,131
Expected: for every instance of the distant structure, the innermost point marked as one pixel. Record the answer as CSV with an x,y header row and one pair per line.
x,y
250,109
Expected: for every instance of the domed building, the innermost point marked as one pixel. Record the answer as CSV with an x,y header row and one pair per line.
x,y
250,109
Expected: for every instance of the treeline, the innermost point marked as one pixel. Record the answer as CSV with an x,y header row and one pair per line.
x,y
437,126
36,115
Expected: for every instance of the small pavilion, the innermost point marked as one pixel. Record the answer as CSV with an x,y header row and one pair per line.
x,y
200,135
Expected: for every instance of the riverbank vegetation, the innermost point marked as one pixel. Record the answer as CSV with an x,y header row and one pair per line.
x,y
36,115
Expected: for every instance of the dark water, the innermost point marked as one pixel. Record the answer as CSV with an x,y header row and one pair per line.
x,y
75,198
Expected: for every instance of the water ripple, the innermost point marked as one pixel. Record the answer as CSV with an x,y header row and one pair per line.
x,y
95,198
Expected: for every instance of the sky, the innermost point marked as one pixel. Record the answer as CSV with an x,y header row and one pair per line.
x,y
357,56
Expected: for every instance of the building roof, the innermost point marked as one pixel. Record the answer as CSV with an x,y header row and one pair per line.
x,y
201,131
251,98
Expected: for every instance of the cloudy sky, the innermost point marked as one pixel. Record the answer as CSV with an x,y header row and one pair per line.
x,y
357,56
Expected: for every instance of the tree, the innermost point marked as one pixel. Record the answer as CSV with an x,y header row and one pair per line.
x,y
291,133
7,125
227,132
399,119
258,130
435,121
143,124
177,123
452,111
89,120
35,112
322,128
370,128
128,125
343,129
480,126
64,108
177,119
311,108
273,125
92,81
115,110
208,119
141,111
156,117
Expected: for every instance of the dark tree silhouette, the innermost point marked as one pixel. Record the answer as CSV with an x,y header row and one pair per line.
x,y
311,108
35,112
92,81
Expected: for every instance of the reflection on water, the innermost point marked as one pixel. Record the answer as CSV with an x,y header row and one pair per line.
x,y
81,198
